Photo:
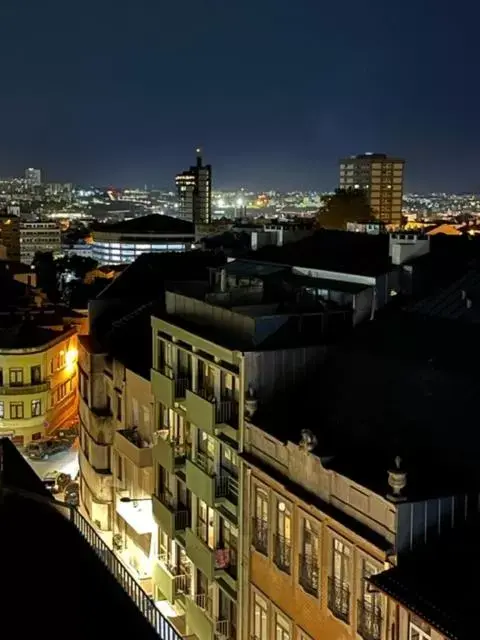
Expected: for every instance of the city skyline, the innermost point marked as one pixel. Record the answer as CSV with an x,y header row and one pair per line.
x,y
287,93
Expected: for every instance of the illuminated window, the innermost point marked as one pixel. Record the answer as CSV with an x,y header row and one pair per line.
x,y
418,629
16,410
36,408
16,377
2,409
282,627
260,618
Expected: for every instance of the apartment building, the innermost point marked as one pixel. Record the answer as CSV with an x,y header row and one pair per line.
x,y
132,466
38,381
319,530
381,178
101,385
10,236
216,356
38,236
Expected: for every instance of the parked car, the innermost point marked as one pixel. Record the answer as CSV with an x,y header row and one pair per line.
x,y
72,494
43,449
50,480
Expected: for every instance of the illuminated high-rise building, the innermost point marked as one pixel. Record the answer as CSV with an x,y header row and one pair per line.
x,y
381,178
33,177
194,188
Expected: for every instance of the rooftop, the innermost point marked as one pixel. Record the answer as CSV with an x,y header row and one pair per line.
x,y
330,250
151,224
394,387
26,334
442,593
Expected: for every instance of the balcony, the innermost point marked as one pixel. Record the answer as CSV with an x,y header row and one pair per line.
x,y
167,387
170,454
23,389
260,535
209,561
369,620
172,584
168,515
282,553
308,573
199,613
200,476
129,443
207,413
101,424
339,599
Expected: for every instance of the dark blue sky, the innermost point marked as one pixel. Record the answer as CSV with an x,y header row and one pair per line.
x,y
275,91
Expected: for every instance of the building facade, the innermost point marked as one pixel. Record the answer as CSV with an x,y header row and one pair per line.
x,y
33,177
38,386
194,189
36,237
318,537
123,242
10,236
381,178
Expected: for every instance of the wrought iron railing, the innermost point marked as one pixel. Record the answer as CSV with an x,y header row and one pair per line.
x,y
144,603
226,486
308,573
205,462
222,629
282,552
204,601
339,598
369,620
260,535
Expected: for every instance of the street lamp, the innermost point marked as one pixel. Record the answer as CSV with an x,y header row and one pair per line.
x,y
134,499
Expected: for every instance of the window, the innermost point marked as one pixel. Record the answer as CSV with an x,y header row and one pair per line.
x,y
119,407
120,468
418,629
36,374
283,536
2,409
338,582
229,460
260,617
1,377
369,613
36,408
206,519
229,541
260,521
308,574
282,627
16,377
16,410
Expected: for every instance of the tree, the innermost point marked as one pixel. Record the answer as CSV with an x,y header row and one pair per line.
x,y
46,271
345,205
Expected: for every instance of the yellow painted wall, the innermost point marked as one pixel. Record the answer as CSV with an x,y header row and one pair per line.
x,y
57,391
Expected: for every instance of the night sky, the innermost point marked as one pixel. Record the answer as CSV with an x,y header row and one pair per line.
x,y
275,91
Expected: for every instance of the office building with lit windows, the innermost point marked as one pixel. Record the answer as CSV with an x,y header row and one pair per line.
x,y
381,178
38,378
39,237
194,189
123,242
33,177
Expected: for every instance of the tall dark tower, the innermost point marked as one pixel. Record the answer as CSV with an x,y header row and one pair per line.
x,y
194,189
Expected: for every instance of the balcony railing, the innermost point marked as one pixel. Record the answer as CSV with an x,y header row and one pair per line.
x,y
308,573
204,601
205,462
222,629
339,598
144,603
182,515
369,620
226,486
226,409
181,584
21,389
260,535
282,552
